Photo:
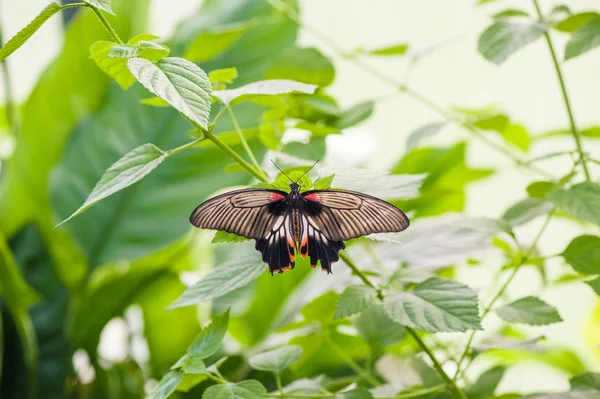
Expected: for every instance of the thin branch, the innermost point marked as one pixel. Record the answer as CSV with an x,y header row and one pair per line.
x,y
244,142
359,273
351,363
107,25
563,88
11,112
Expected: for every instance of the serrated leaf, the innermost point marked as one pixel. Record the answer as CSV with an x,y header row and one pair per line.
x,y
223,236
324,183
526,210
221,280
131,168
376,328
167,385
210,338
276,360
116,68
575,21
585,381
529,310
261,88
24,34
250,389
123,51
584,39
358,393
179,82
422,133
436,305
595,285
152,51
486,384
580,200
395,49
503,38
101,4
190,365
353,300
355,114
583,254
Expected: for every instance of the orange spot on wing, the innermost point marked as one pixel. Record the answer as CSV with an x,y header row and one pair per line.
x,y
276,197
313,266
312,197
286,268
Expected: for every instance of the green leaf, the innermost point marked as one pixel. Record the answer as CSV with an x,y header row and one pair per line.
x,y
193,365
526,210
355,115
222,280
276,360
377,329
436,305
133,167
529,310
358,393
116,68
584,39
101,4
167,385
422,133
223,236
486,384
503,38
510,13
585,381
322,308
353,300
395,49
142,37
574,22
249,389
324,183
209,340
179,82
24,34
580,200
154,102
595,284
263,88
225,75
152,51
305,65
210,44
540,189
583,254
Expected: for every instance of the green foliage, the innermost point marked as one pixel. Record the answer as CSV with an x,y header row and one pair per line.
x,y
586,38
167,385
354,299
305,65
595,285
579,200
486,384
262,88
276,360
101,4
210,338
529,310
583,253
505,37
250,389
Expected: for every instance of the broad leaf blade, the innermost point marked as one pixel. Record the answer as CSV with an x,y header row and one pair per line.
x,y
250,389
377,329
179,82
210,338
114,67
167,385
583,254
486,384
581,200
436,305
128,170
584,39
505,37
526,210
355,114
353,300
276,360
529,310
263,87
101,4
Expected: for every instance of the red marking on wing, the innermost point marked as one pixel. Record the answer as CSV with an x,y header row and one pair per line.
x,y
276,197
312,197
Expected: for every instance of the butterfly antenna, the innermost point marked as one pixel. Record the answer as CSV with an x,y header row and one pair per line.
x,y
308,170
285,174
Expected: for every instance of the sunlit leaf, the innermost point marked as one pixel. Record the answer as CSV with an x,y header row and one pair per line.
x,y
324,183
354,299
580,200
505,37
595,285
540,189
210,338
261,88
225,75
529,310
101,4
395,49
179,82
116,68
575,21
526,210
510,13
276,360
586,380
307,65
358,393
583,254
250,389
584,39
486,384
209,44
167,385
155,102
322,308
355,114
436,305
223,236
376,328
422,133
133,167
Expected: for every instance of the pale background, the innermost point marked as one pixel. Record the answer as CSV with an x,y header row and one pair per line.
x,y
454,74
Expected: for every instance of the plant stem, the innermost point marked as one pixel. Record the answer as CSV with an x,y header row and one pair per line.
x,y
406,395
359,273
235,156
11,113
563,88
107,25
243,140
185,146
279,385
502,289
351,363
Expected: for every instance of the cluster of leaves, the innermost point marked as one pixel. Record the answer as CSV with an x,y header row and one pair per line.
x,y
240,93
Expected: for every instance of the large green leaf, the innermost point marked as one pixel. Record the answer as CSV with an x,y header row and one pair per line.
x,y
354,299
377,329
276,360
263,87
486,384
584,39
526,210
166,385
585,380
573,22
306,65
583,254
435,305
210,338
529,310
504,37
580,200
250,389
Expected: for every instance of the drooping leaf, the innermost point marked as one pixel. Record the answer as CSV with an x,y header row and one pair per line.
x,y
353,300
540,189
584,39
355,114
263,88
276,360
421,134
580,200
249,389
101,4
435,305
116,68
133,167
505,37
210,338
179,82
583,254
223,279
167,385
24,34
377,329
529,310
486,384
526,210
305,65
574,22
595,285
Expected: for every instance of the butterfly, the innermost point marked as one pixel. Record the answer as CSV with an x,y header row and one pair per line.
x,y
313,223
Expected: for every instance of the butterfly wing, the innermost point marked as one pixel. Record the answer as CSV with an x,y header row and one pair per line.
x,y
343,214
316,245
278,246
250,213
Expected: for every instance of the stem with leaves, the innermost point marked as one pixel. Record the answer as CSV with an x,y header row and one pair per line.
x,y
563,88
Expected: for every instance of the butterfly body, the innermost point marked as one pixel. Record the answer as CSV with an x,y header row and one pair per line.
x,y
314,223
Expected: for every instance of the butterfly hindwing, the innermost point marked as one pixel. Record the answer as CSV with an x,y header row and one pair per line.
x,y
278,246
317,246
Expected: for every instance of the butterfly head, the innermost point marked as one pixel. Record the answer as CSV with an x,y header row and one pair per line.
x,y
294,186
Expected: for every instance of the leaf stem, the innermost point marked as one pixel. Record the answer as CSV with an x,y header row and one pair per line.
x,y
575,132
502,289
11,113
243,141
351,363
106,24
185,146
360,274
279,385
